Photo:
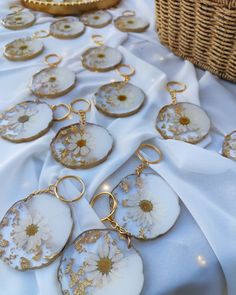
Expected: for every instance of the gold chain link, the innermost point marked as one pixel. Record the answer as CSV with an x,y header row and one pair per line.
x,y
173,96
49,190
121,230
140,168
82,120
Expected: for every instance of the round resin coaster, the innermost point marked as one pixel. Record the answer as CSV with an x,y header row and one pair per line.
x,y
23,49
26,121
147,206
31,233
183,121
229,146
96,19
99,262
67,28
119,99
53,82
101,58
77,148
131,23
19,20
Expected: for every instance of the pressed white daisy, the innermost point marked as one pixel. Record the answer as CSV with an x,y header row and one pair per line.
x,y
20,47
31,232
80,144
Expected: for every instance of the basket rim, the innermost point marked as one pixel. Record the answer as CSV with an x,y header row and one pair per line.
x,y
62,4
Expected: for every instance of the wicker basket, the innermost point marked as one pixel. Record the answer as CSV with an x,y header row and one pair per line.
x,y
201,31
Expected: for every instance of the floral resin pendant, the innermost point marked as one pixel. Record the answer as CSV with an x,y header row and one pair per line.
x,y
182,121
129,22
67,28
82,145
53,82
101,58
96,19
31,234
18,20
229,146
99,262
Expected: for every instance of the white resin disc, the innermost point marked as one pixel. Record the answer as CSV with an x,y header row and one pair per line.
x,y
19,20
101,59
229,146
100,263
147,206
131,23
183,121
34,232
119,99
96,19
26,121
53,82
74,148
67,28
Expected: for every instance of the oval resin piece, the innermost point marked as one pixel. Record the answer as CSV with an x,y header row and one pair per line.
x,y
26,121
23,49
53,82
33,233
119,99
96,19
131,23
229,146
147,206
99,262
67,28
75,148
101,59
19,20
183,121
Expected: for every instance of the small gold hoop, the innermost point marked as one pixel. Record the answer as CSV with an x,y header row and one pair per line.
x,y
41,34
52,55
170,84
64,106
130,68
98,39
16,8
80,100
128,13
113,207
152,147
60,197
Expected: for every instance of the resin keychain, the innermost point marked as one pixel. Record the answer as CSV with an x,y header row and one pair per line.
x,y
129,22
147,206
101,58
120,98
81,145
67,28
25,48
101,261
229,146
96,19
182,120
19,19
29,120
53,81
35,230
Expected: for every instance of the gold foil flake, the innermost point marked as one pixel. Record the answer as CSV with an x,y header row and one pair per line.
x,y
90,237
4,243
1,252
125,186
25,263
79,247
139,182
4,222
81,287
38,254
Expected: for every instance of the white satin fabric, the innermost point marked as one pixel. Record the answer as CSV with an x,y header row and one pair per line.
x,y
198,256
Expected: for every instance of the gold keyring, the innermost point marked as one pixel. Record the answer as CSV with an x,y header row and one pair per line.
x,y
65,106
114,204
52,55
175,83
130,68
60,197
40,34
128,13
16,8
98,39
152,147
80,100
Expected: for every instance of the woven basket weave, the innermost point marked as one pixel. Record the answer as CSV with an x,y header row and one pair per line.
x,y
201,31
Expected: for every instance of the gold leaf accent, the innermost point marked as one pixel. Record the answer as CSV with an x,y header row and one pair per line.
x,y
64,154
4,243
124,186
124,203
38,254
139,182
90,237
1,252
81,287
79,247
24,263
4,222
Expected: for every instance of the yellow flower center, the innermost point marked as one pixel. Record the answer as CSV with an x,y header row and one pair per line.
x,y
80,143
18,18
130,22
184,120
31,230
23,47
23,119
52,79
122,97
104,265
101,55
67,26
146,206
96,17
